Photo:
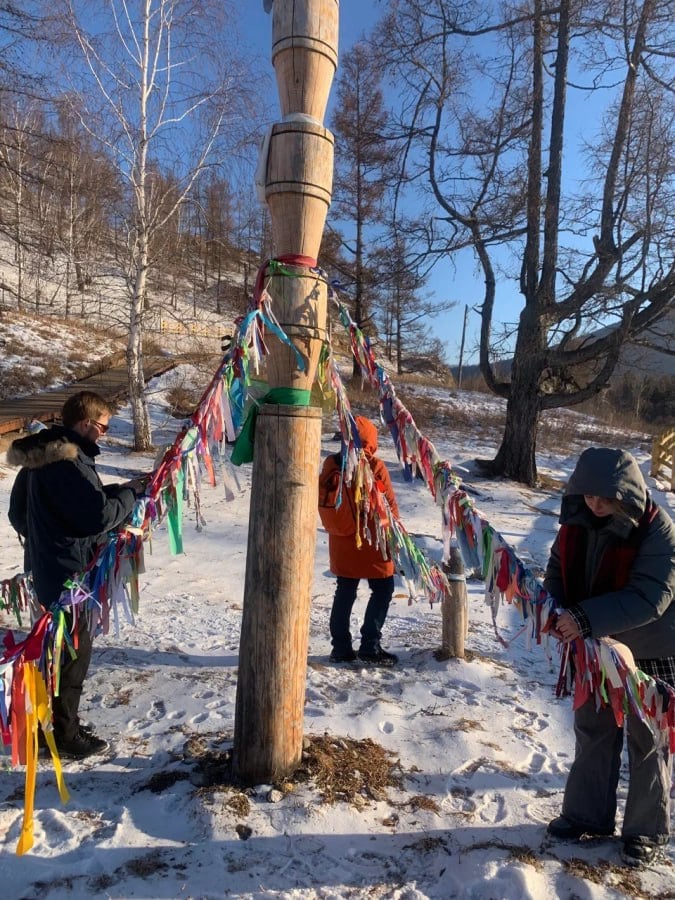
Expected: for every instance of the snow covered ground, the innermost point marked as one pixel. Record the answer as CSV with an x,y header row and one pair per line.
x,y
483,745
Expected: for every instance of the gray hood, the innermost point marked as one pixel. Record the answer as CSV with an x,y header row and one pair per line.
x,y
605,472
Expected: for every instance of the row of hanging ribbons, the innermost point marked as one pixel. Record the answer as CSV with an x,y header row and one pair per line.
x,y
108,590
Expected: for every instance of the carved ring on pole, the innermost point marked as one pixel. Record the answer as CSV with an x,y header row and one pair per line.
x,y
304,54
298,186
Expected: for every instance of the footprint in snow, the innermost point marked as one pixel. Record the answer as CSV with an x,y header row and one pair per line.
x,y
492,808
157,710
203,695
526,720
201,717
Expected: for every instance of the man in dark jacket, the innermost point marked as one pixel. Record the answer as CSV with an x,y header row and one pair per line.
x,y
61,509
612,569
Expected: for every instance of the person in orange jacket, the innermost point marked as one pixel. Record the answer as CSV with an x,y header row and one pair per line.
x,y
351,563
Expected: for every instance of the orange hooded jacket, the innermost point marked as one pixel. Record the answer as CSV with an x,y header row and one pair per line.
x,y
366,561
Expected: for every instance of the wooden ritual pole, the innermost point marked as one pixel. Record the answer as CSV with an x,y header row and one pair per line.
x,y
268,730
454,610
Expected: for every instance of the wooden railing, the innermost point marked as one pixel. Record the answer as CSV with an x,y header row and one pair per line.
x,y
193,329
662,455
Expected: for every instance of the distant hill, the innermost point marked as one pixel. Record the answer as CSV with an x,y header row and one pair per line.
x,y
649,360
635,358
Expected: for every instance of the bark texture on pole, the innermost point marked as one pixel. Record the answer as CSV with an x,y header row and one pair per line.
x,y
279,571
282,524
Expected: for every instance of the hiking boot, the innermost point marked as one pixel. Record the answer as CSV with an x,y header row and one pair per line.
x,y
340,656
378,657
84,728
82,745
567,830
640,851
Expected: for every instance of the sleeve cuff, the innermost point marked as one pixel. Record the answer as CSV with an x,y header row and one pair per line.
x,y
582,620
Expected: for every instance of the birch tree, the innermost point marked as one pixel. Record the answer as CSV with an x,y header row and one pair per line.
x,y
20,122
161,87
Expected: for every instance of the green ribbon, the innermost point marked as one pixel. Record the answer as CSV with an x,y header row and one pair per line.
x,y
276,267
242,451
174,516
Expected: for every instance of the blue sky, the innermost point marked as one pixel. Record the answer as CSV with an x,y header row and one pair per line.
x,y
461,283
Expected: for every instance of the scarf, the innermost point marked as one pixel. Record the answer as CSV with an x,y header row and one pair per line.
x,y
613,568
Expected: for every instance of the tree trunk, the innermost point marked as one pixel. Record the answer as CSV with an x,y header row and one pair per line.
x,y
139,409
516,457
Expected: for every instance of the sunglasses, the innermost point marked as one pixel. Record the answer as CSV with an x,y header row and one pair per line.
x,y
101,427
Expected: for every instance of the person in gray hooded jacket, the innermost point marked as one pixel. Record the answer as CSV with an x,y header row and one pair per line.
x,y
612,570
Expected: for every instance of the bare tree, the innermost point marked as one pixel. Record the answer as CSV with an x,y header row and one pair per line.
x,y
252,233
82,187
25,26
20,124
404,309
587,237
162,89
363,165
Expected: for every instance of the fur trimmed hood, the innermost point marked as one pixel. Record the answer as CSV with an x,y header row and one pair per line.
x,y
52,445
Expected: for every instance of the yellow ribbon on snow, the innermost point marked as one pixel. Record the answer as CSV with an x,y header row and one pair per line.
x,y
37,710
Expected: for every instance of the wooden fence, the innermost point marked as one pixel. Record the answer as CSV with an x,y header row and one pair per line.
x,y
662,455
191,329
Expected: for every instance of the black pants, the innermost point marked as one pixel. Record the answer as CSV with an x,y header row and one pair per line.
x,y
381,592
73,672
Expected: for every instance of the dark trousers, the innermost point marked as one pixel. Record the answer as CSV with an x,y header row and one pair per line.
x,y
73,672
590,792
381,592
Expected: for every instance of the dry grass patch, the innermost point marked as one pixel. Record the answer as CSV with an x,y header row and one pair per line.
x,y
464,724
524,855
182,401
430,413
472,656
579,868
121,697
340,768
549,483
419,801
349,770
363,399
573,431
239,804
602,872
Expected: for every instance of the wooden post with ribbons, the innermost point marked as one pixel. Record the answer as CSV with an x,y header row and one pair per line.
x,y
298,175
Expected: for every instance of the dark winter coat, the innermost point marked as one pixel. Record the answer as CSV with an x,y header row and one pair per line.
x,y
366,561
641,612
60,507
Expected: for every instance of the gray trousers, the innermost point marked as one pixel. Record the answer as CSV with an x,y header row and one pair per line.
x,y
590,792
